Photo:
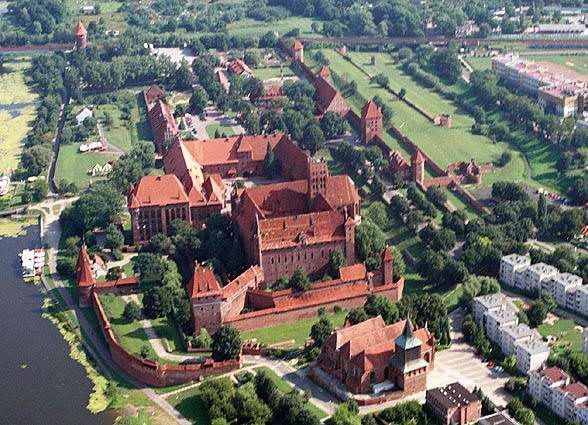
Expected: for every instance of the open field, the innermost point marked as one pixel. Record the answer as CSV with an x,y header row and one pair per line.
x,y
11,227
532,162
565,332
113,19
73,166
227,130
297,331
271,72
479,63
190,404
17,111
251,28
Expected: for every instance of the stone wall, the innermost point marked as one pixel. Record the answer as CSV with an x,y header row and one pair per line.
x,y
151,372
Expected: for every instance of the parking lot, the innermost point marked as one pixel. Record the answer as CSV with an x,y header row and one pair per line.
x,y
460,363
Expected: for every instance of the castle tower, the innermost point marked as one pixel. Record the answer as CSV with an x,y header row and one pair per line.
x,y
387,266
318,172
298,49
81,36
411,368
418,168
371,122
205,299
85,277
350,240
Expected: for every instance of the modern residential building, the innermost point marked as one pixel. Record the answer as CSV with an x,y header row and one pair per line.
x,y
561,285
500,418
454,404
544,381
498,320
531,354
558,89
510,265
536,274
585,340
514,334
567,400
486,303
582,300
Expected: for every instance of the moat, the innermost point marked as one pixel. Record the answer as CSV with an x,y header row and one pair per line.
x,y
41,384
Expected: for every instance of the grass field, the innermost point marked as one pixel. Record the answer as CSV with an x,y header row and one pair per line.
x,y
565,332
285,388
73,166
191,406
577,63
15,227
108,10
479,63
271,72
227,130
297,331
251,28
17,111
532,162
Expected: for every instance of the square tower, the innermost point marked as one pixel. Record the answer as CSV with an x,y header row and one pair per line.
x,y
371,122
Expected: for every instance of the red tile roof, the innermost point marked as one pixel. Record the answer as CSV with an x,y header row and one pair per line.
x,y
387,254
325,94
298,45
203,282
341,191
80,30
324,72
153,94
576,390
419,158
371,110
239,67
353,272
224,150
84,268
163,124
279,199
157,191
554,374
253,275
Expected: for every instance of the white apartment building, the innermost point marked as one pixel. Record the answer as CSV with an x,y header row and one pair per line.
x,y
491,302
582,413
582,300
531,354
566,400
510,265
585,340
536,274
497,320
543,382
563,284
512,335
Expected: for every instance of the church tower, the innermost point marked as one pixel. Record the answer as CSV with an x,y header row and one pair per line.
x,y
410,367
81,36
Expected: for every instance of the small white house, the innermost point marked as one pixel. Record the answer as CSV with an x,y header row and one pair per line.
x,y
83,114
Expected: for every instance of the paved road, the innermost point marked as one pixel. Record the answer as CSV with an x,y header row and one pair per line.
x,y
91,341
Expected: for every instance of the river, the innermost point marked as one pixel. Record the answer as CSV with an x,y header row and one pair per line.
x,y
40,384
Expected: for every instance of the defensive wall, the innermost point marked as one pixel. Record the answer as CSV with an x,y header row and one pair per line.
x,y
151,372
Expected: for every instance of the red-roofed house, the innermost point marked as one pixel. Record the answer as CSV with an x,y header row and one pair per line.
x,y
327,98
298,49
152,95
370,354
240,68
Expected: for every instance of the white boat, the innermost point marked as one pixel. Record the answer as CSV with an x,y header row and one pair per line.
x,y
32,261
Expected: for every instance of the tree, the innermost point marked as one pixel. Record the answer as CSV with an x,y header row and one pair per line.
x,y
114,238
162,245
378,305
226,344
537,314
369,243
126,172
251,122
271,167
336,261
39,189
402,93
157,302
183,77
132,312
321,330
148,266
250,409
344,415
356,315
381,79
266,389
202,340
299,281
333,125
313,138
198,100
269,39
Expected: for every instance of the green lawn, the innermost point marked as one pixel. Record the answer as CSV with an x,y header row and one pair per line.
x,y
73,165
227,130
479,63
578,63
461,204
130,335
190,404
251,28
297,331
285,388
17,112
271,72
565,332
